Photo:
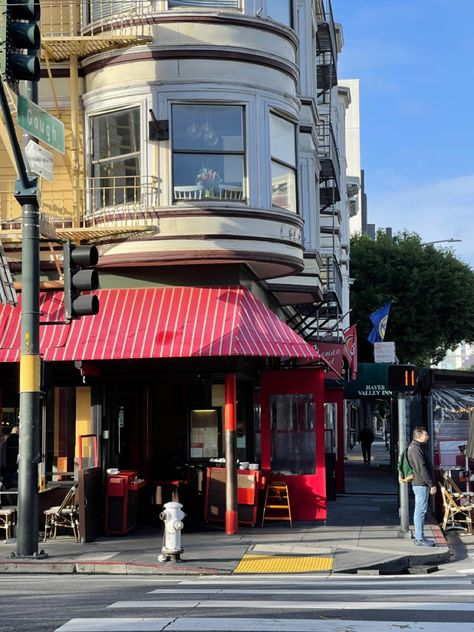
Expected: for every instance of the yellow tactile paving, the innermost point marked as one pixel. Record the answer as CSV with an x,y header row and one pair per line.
x,y
283,564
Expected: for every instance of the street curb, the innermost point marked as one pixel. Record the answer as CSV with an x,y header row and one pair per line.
x,y
104,568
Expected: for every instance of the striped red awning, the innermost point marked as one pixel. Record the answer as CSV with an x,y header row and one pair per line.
x,y
180,322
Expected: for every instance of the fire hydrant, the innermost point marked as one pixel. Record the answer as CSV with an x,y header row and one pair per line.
x,y
173,517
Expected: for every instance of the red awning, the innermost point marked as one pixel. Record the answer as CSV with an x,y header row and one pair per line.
x,y
180,322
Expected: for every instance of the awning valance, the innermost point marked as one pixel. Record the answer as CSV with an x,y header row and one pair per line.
x,y
178,322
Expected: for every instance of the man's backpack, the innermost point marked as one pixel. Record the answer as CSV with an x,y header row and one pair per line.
x,y
405,470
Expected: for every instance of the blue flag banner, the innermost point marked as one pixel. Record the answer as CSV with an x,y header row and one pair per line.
x,y
379,320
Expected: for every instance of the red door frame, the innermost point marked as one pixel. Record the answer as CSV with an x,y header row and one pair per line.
x,y
336,396
307,491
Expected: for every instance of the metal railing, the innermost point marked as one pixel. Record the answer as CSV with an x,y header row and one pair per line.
x,y
331,276
327,146
74,18
114,201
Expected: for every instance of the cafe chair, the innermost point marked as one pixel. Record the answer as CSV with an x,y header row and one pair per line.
x,y
455,490
188,192
457,515
7,513
229,192
63,516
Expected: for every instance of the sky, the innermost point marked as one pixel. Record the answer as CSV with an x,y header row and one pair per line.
x,y
415,63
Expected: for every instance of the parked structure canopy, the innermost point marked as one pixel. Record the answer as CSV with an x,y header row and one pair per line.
x,y
177,322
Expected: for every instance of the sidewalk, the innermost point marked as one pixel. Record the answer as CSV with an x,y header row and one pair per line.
x,y
361,535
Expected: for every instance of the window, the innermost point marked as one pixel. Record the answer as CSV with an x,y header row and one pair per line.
x,y
293,426
116,158
208,152
104,9
283,150
214,4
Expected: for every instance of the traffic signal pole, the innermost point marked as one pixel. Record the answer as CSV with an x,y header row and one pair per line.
x,y
20,33
30,371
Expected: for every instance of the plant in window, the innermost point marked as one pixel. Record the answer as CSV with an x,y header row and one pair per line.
x,y
209,179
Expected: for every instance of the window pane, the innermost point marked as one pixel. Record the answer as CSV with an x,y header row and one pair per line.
x,y
218,4
208,127
117,182
282,135
209,171
280,11
283,187
102,9
116,133
293,434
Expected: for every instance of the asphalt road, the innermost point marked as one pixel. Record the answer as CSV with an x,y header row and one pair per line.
x,y
273,603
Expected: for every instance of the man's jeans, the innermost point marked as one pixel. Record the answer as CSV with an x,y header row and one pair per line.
x,y
421,504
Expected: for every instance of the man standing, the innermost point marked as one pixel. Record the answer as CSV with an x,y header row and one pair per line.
x,y
366,438
423,482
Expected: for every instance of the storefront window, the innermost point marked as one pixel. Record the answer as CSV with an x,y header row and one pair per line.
x,y
204,434
283,150
116,158
208,152
293,420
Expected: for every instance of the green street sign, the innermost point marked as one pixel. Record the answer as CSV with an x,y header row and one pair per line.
x,y
40,124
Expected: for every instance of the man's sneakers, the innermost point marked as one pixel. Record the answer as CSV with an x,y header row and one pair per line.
x,y
424,542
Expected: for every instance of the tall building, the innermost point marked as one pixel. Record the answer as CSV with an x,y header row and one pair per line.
x,y
205,158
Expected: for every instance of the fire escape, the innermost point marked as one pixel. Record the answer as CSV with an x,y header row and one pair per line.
x,y
72,30
321,321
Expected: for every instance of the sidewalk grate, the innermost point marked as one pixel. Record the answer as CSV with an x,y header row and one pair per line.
x,y
283,564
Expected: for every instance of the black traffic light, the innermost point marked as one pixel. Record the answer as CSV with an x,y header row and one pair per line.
x,y
401,377
19,35
80,275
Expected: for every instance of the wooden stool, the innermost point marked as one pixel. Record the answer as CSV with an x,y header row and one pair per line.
x,y
277,503
8,520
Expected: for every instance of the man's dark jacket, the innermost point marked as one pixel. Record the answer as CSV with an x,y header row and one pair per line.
x,y
420,462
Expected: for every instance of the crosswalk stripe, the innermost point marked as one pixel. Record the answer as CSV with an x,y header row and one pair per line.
x,y
300,605
302,591
194,624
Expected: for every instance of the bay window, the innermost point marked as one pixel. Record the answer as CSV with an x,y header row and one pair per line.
x,y
283,152
208,152
116,158
211,4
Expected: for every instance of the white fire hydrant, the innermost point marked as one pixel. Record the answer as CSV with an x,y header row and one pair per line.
x,y
173,517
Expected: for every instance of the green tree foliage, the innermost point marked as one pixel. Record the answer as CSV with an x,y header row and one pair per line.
x,y
432,294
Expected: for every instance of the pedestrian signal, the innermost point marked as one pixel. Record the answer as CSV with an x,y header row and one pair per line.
x,y
401,377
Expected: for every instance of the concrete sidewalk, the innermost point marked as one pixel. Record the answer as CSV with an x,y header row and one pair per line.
x,y
361,535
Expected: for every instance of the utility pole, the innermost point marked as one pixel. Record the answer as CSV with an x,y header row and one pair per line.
x,y
404,531
20,43
401,378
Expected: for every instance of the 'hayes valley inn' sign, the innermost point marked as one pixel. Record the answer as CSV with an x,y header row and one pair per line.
x,y
371,381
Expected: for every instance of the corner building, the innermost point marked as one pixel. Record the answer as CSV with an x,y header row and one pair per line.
x,y
203,158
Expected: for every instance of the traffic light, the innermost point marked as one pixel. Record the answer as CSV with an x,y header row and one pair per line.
x,y
401,377
19,36
80,275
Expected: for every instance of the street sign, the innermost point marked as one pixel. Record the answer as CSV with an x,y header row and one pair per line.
x,y
384,352
40,124
40,160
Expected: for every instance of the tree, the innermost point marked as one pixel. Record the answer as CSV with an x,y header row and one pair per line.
x,y
432,294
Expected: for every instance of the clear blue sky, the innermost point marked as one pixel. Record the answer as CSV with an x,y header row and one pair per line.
x,y
415,60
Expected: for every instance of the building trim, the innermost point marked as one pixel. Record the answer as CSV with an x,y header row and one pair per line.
x,y
189,52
